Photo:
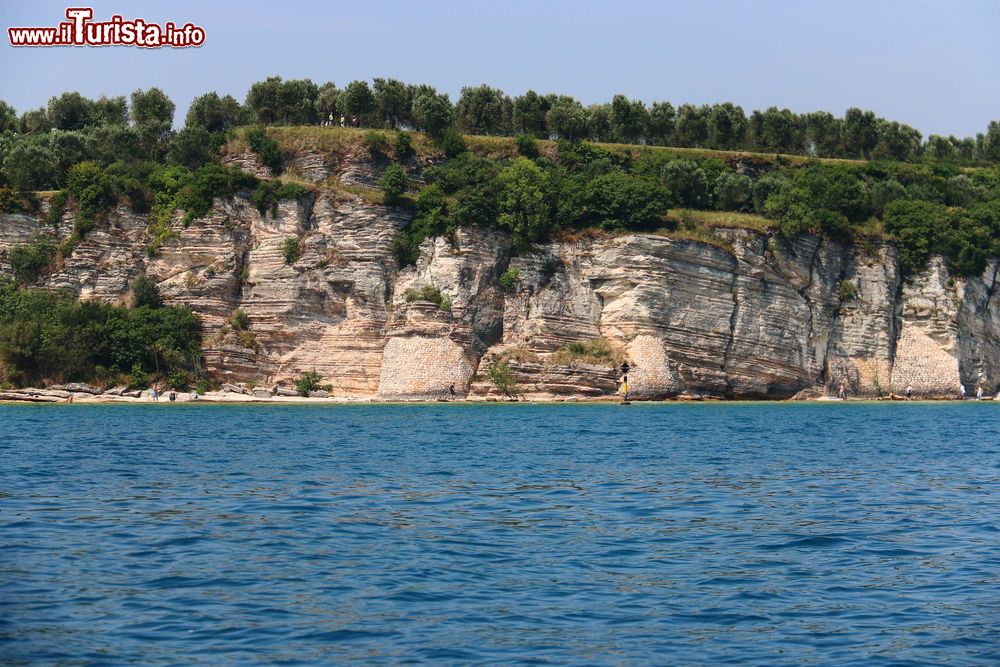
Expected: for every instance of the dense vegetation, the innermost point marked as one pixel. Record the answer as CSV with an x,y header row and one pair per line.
x,y
930,208
52,337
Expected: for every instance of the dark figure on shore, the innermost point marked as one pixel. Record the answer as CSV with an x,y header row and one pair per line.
x,y
451,390
173,396
355,122
842,391
909,392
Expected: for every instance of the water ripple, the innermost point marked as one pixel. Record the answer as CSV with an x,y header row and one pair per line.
x,y
500,534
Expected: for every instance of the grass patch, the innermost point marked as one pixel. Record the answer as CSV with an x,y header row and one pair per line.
x,y
693,219
596,351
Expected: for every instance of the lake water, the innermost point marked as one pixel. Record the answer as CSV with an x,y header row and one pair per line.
x,y
768,534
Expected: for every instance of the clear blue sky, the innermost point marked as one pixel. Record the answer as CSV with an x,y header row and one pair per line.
x,y
933,65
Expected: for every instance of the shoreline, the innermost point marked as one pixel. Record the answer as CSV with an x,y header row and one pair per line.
x,y
43,397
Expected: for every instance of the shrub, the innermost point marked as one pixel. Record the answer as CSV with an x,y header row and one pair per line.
x,y
266,148
847,291
375,143
503,378
47,335
56,209
178,380
202,386
12,202
526,146
429,293
393,183
268,193
290,250
145,292
453,144
239,320
733,192
510,278
404,146
30,260
595,351
308,381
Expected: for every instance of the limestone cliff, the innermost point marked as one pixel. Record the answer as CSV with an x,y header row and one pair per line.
x,y
749,315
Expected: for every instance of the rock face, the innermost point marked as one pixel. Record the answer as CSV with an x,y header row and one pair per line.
x,y
750,316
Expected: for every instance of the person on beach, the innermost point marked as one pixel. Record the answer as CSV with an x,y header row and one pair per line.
x,y
842,391
154,395
961,391
979,393
173,396
909,392
451,390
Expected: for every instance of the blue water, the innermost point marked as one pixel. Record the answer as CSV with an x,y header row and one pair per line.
x,y
768,534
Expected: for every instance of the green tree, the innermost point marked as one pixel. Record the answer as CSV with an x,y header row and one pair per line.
x,y
688,182
70,111
432,113
991,142
359,101
328,102
618,201
480,110
524,209
153,109
110,111
691,128
860,133
393,183
8,118
530,112
661,123
733,192
213,113
727,126
896,141
392,102
264,100
629,119
566,118
599,122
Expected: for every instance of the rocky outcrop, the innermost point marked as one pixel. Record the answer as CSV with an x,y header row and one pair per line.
x,y
748,315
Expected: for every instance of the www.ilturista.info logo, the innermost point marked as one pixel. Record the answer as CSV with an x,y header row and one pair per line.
x,y
79,30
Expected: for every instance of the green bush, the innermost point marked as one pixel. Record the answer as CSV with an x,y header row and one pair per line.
x,y
429,293
308,381
509,279
145,292
376,144
51,336
404,146
503,378
393,183
847,291
29,261
239,320
291,250
13,202
453,144
266,148
526,146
